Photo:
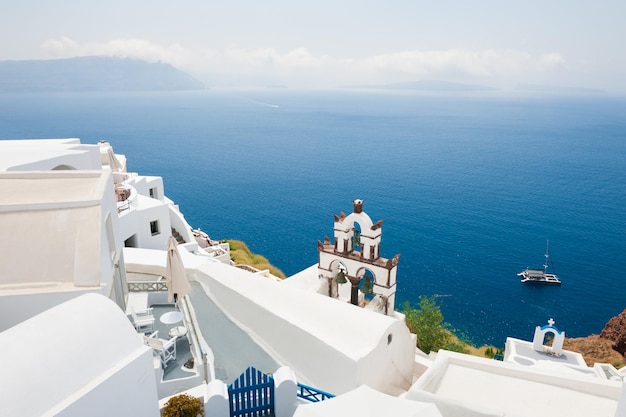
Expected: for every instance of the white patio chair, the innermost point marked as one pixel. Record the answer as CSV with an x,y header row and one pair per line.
x,y
166,349
143,321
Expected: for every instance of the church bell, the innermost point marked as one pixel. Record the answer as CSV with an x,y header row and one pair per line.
x,y
366,288
341,277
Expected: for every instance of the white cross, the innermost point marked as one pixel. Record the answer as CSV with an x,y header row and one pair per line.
x,y
551,322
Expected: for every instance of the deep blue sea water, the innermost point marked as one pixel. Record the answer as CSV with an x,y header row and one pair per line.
x,y
470,186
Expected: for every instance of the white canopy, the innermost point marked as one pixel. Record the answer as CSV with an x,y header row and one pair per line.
x,y
175,275
114,163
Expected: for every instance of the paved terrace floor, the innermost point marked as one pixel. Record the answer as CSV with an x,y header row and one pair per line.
x,y
234,349
174,369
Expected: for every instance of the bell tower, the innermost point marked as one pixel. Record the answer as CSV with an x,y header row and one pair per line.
x,y
354,257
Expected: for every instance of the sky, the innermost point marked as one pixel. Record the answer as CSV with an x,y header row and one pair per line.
x,y
322,43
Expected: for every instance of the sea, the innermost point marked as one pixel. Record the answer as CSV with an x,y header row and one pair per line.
x,y
470,186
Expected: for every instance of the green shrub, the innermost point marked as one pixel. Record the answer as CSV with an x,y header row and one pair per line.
x,y
426,322
240,254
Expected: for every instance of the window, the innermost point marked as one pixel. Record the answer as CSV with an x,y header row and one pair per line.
x,y
131,242
154,227
389,338
153,193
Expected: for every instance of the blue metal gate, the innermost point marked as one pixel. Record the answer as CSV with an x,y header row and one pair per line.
x,y
252,394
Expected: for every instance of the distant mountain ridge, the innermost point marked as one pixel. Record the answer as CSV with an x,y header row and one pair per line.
x,y
95,73
557,89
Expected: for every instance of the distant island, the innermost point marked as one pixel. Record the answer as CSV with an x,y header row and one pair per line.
x,y
427,85
96,73
558,89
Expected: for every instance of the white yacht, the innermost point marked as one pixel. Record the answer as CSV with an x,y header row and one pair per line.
x,y
540,276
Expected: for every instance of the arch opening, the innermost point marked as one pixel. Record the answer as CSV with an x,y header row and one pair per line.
x,y
63,167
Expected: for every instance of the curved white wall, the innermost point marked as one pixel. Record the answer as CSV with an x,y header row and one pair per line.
x,y
331,345
82,357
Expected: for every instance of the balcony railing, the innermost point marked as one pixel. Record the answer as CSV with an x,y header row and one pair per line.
x,y
126,196
147,286
123,206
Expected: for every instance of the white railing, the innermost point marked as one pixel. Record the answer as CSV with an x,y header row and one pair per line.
x,y
146,286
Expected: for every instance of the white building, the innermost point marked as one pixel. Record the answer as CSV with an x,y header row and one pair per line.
x,y
67,210
72,208
61,236
79,230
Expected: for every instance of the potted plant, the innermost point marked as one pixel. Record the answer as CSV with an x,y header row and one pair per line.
x,y
183,405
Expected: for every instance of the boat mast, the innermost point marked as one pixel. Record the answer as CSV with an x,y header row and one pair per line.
x,y
545,263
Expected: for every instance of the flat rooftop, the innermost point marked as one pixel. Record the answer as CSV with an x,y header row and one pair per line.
x,y
24,154
512,389
26,190
522,352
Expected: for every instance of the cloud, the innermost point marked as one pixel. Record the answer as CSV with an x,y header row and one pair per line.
x,y
60,47
300,66
550,61
425,63
130,48
484,63
269,59
229,59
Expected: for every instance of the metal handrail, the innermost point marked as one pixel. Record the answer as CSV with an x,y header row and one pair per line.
x,y
123,207
311,394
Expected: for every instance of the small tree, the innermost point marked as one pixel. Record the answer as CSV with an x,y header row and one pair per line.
x,y
183,405
428,325
489,352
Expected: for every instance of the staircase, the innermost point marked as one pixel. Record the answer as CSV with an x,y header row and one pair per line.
x,y
177,236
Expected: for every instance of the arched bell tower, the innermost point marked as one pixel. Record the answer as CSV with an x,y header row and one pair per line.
x,y
353,258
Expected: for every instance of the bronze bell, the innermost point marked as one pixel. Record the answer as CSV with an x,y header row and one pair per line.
x,y
341,277
366,288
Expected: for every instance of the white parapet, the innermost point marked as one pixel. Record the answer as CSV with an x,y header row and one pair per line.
x,y
216,400
285,392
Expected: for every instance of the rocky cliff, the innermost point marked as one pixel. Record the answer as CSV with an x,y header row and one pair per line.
x,y
608,347
615,331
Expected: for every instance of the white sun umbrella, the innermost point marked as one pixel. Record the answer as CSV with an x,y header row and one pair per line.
x,y
365,401
114,163
175,276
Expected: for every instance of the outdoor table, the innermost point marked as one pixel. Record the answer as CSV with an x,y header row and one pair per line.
x,y
172,317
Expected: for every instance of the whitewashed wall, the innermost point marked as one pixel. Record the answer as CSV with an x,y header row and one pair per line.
x,y
143,184
15,307
95,364
330,345
61,242
111,243
136,222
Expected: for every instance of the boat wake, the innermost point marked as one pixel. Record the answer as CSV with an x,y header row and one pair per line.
x,y
262,103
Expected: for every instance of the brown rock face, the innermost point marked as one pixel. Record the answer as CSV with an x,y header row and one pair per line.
x,y
594,349
615,331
